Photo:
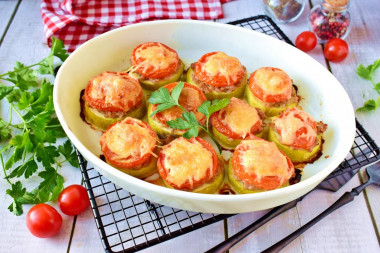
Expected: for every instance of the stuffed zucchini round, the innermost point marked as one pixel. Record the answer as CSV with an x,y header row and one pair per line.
x,y
297,134
154,64
236,122
129,146
190,165
110,97
258,165
218,76
271,90
191,98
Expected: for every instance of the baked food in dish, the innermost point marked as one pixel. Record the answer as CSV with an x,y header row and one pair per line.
x,y
258,165
129,146
218,75
110,97
190,165
271,90
297,134
191,98
236,122
154,64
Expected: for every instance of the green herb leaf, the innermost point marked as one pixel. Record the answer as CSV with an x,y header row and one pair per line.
x,y
46,65
369,105
69,153
16,192
164,99
23,76
14,95
5,131
363,72
58,49
377,87
5,90
46,155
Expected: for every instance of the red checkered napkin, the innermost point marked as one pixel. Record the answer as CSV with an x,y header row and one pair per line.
x,y
76,21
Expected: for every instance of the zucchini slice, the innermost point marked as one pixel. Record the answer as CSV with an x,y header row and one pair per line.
x,y
239,92
295,155
154,84
99,121
269,111
142,172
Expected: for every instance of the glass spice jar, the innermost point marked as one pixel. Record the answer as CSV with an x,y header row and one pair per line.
x,y
330,19
284,11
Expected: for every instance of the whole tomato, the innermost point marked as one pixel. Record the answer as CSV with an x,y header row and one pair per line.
x,y
43,221
336,50
306,41
73,200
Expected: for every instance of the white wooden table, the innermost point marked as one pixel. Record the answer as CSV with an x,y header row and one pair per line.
x,y
353,228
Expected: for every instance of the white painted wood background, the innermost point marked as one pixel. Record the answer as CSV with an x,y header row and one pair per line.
x,y
353,228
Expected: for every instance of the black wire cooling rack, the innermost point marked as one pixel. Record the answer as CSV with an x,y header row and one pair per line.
x,y
127,223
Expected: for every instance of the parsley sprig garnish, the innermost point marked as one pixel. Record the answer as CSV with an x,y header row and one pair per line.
x,y
367,73
28,138
165,100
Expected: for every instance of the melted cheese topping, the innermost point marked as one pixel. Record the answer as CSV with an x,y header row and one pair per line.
x,y
273,81
224,65
156,56
129,141
186,162
290,122
263,159
240,116
116,90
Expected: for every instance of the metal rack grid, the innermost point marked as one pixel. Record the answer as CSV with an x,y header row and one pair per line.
x,y
127,223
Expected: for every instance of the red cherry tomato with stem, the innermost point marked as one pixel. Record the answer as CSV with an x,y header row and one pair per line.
x,y
306,41
43,221
73,200
336,50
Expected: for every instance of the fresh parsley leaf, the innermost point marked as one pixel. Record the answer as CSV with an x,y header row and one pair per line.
x,y
69,153
164,99
46,65
23,76
27,169
367,73
5,90
369,105
14,95
46,155
377,88
5,131
51,181
16,192
363,72
58,49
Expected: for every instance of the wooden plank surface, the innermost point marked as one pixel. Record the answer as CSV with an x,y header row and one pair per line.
x,y
6,10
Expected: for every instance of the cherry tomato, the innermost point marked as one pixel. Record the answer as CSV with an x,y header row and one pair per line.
x,y
43,221
306,41
73,200
336,50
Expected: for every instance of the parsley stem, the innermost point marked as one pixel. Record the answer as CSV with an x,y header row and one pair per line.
x,y
213,139
5,173
18,113
21,69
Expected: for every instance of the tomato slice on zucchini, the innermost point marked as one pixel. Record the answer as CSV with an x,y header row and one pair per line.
x,y
271,85
154,60
154,84
190,165
237,121
191,98
259,164
113,92
212,94
219,70
295,133
110,97
129,146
